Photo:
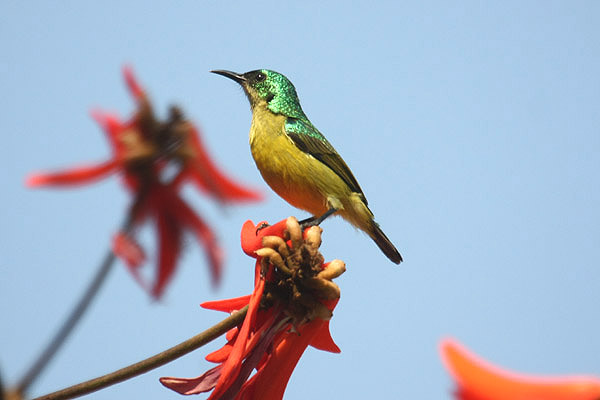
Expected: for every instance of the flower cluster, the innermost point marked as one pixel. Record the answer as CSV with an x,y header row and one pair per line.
x,y
290,308
144,150
479,380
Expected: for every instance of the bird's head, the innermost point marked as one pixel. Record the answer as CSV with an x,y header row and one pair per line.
x,y
270,89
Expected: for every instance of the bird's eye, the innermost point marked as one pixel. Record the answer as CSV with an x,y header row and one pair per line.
x,y
260,77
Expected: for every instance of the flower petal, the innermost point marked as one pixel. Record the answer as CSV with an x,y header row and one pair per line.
x,y
169,247
232,333
233,365
324,341
270,381
204,234
220,355
112,126
228,305
132,84
252,235
480,380
201,384
128,250
74,176
209,178
255,353
133,257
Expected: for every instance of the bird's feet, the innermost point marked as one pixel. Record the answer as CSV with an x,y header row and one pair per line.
x,y
261,227
306,223
316,221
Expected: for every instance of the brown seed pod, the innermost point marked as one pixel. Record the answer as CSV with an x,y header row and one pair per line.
x,y
320,311
293,229
276,243
333,270
272,256
324,289
313,236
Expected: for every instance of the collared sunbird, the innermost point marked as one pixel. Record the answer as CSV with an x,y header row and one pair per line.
x,y
296,160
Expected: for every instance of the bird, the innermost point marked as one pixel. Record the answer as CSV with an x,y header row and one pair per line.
x,y
296,160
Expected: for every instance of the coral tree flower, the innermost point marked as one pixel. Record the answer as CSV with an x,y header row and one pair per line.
x,y
143,147
290,308
480,380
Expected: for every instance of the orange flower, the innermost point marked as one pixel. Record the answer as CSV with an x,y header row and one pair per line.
x,y
289,310
479,380
143,147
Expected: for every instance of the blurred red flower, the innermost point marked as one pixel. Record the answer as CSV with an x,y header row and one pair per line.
x,y
289,310
479,380
143,147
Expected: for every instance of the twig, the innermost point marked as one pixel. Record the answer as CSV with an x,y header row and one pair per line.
x,y
80,308
150,363
68,325
83,304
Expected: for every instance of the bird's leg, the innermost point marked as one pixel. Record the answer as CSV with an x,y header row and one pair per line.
x,y
307,222
261,227
323,217
313,221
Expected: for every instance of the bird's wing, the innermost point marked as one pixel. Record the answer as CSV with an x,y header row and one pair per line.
x,y
308,139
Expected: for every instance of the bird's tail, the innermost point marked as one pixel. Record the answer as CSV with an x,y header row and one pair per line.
x,y
384,243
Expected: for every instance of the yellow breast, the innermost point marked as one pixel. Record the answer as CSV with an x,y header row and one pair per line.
x,y
297,177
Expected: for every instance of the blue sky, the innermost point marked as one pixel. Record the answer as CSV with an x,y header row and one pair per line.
x,y
472,129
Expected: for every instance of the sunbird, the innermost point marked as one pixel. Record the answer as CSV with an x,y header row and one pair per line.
x,y
296,160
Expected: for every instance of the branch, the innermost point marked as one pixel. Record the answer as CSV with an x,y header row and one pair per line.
x,y
68,325
150,363
81,307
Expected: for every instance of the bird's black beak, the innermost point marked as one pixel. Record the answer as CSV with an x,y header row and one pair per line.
x,y
241,79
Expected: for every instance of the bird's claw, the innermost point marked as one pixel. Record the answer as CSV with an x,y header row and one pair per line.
x,y
307,223
261,227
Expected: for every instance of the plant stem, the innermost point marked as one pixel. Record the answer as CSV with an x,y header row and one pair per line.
x,y
150,363
83,304
68,325
80,308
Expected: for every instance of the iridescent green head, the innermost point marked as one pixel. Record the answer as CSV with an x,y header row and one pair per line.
x,y
268,88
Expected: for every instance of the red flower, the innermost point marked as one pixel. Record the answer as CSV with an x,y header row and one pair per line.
x,y
143,147
480,380
289,310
